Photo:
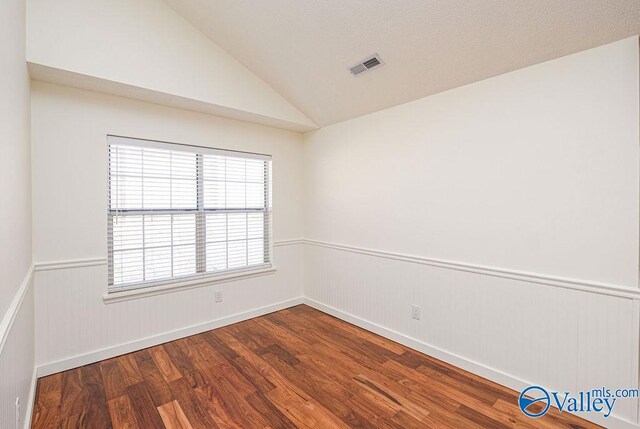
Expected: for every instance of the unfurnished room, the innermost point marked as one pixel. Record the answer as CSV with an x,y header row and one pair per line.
x,y
237,214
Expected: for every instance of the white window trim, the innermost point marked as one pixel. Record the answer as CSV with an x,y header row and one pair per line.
x,y
190,283
141,290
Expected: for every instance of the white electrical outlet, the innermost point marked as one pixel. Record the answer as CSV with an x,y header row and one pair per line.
x,y
415,312
218,295
18,412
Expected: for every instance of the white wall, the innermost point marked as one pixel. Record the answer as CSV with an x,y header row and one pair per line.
x,y
535,170
507,210
144,44
480,205
15,170
69,129
16,295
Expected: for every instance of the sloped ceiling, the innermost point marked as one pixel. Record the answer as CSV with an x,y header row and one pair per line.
x,y
143,49
302,48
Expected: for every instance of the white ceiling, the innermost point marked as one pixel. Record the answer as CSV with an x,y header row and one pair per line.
x,y
302,48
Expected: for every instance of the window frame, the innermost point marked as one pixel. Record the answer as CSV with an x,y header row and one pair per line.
x,y
201,276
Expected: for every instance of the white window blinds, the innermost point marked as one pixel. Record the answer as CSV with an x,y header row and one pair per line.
x,y
177,212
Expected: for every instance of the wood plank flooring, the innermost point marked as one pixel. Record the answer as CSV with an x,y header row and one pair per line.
x,y
293,368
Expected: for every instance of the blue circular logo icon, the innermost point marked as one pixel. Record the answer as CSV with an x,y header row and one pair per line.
x,y
534,395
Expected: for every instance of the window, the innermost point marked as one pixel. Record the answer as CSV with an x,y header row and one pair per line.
x,y
183,212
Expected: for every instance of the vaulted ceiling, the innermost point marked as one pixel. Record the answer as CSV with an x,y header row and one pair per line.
x,y
302,48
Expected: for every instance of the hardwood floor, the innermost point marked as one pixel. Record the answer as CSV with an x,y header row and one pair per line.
x,y
294,368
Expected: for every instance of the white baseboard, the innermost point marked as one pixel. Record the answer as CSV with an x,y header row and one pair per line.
x,y
109,352
492,374
31,400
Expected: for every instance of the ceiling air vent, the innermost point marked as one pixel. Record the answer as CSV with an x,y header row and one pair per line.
x,y
366,65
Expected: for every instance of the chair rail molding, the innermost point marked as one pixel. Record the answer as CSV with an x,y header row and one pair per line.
x,y
543,279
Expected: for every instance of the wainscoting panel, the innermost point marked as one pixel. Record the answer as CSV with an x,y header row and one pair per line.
x,y
74,325
563,337
17,377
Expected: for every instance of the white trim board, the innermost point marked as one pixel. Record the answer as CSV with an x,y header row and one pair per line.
x,y
14,308
543,279
120,349
143,292
91,262
69,263
290,242
31,400
492,374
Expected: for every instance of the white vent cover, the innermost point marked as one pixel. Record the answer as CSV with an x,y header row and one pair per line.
x,y
367,64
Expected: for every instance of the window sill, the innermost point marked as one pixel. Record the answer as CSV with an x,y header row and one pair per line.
x,y
127,295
